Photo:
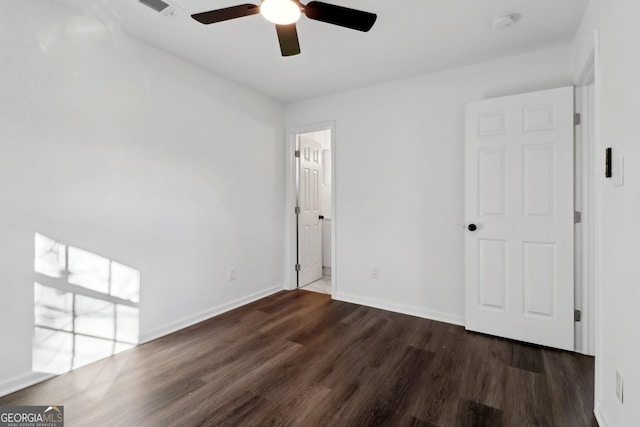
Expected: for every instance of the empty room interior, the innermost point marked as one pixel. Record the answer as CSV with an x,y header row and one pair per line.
x,y
342,213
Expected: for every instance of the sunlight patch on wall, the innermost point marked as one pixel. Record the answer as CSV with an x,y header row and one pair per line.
x,y
85,307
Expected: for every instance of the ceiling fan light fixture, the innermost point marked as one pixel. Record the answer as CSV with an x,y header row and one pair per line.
x,y
280,12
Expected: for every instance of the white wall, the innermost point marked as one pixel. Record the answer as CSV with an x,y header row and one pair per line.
x,y
618,77
115,147
399,182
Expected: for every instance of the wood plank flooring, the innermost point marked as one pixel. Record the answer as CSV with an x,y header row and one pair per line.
x,y
298,358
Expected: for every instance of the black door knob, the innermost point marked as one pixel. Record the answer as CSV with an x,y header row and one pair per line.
x,y
472,227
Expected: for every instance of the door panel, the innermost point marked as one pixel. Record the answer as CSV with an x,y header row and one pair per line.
x,y
539,118
491,123
309,224
538,186
491,182
539,278
492,273
519,194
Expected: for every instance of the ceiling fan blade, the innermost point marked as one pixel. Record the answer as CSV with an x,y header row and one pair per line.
x,y
225,14
288,38
339,15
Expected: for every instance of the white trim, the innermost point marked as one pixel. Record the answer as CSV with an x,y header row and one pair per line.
x,y
600,416
23,381
588,72
197,318
290,197
289,215
581,230
597,226
401,308
32,378
587,171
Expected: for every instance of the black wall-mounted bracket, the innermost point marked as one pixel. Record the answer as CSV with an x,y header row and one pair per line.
x,y
608,164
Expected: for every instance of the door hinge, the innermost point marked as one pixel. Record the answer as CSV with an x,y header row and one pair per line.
x,y
297,153
296,210
577,315
577,217
297,267
577,119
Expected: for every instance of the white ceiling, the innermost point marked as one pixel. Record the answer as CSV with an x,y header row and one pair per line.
x,y
410,37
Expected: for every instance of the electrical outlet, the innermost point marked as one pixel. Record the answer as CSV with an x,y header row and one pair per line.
x,y
375,273
231,274
619,387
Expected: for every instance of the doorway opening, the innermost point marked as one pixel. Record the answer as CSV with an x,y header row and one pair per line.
x,y
311,194
313,155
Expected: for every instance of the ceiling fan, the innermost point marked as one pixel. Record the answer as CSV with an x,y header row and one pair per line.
x,y
285,13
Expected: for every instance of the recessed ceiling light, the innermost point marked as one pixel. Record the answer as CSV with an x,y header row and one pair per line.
x,y
502,22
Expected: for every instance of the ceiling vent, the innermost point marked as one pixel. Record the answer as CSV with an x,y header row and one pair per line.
x,y
161,7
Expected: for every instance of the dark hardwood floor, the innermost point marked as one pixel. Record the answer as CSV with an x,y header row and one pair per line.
x,y
298,358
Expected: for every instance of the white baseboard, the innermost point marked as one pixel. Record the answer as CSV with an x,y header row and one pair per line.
x,y
23,381
599,416
199,317
400,308
326,271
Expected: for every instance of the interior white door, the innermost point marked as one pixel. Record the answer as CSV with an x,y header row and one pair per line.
x,y
519,197
309,224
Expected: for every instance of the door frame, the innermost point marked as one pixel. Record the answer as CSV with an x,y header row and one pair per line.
x,y
588,173
591,65
290,258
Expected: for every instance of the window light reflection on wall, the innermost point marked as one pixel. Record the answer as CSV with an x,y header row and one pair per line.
x,y
85,307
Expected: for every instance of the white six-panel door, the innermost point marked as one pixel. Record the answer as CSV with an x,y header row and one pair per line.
x,y
309,224
519,196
